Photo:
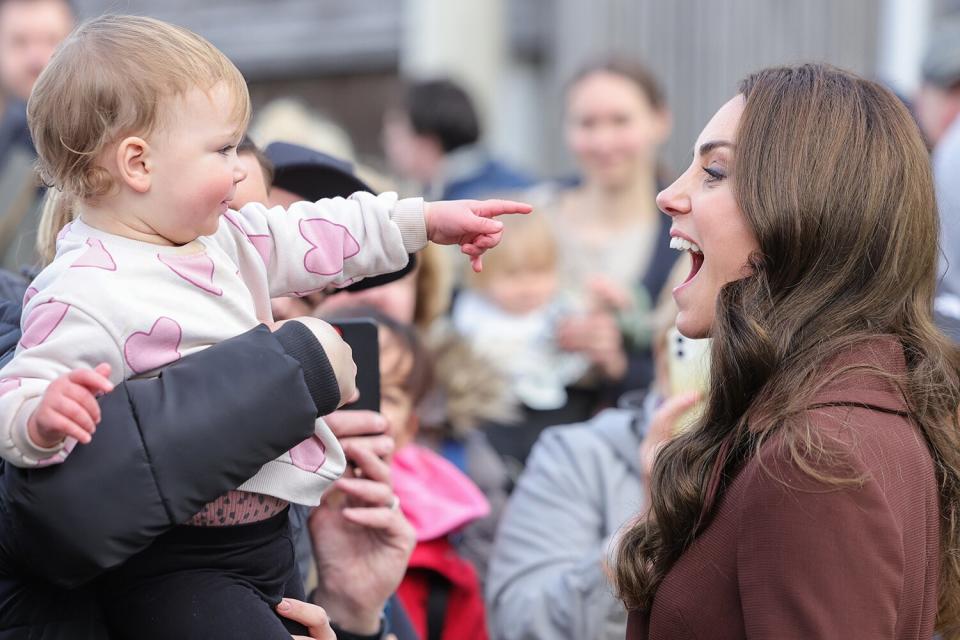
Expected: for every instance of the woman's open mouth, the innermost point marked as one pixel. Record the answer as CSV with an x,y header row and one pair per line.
x,y
696,255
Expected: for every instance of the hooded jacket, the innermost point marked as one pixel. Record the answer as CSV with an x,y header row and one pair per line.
x,y
546,579
439,500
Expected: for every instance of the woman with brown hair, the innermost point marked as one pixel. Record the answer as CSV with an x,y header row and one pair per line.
x,y
818,495
616,262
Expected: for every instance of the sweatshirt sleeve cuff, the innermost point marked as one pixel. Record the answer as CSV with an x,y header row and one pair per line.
x,y
300,344
410,215
30,451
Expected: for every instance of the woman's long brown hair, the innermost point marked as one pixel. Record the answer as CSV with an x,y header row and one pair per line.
x,y
833,178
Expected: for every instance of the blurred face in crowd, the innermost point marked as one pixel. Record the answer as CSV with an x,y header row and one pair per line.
x,y
30,31
612,128
252,188
411,155
396,403
705,214
522,289
936,108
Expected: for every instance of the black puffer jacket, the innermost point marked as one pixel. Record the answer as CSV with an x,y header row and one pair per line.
x,y
165,447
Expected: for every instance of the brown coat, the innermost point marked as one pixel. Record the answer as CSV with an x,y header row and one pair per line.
x,y
789,557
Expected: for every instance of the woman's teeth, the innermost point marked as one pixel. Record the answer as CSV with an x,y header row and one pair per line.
x,y
684,245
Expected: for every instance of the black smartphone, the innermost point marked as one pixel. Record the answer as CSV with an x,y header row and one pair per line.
x,y
362,336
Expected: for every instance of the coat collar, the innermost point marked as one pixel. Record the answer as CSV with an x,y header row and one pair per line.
x,y
858,380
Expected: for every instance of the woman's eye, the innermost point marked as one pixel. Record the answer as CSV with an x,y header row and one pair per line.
x,y
714,175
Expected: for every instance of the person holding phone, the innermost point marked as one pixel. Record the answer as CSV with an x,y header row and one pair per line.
x,y
547,578
817,496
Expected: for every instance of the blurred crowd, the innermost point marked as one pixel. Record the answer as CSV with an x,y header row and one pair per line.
x,y
517,398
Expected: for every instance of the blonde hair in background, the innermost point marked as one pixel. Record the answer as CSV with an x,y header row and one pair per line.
x,y
434,286
56,214
290,120
528,243
111,78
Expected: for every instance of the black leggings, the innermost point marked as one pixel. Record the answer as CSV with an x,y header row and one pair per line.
x,y
207,582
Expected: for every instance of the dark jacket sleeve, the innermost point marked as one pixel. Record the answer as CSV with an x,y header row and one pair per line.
x,y
164,447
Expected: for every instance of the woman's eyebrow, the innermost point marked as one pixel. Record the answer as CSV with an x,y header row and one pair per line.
x,y
707,147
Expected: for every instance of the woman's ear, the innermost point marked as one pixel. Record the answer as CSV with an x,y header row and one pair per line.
x,y
134,164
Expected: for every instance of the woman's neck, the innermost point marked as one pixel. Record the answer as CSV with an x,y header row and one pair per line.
x,y
623,205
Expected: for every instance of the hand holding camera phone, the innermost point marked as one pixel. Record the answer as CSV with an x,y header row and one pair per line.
x,y
688,364
362,336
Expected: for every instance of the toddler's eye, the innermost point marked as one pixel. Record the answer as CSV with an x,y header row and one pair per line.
x,y
227,149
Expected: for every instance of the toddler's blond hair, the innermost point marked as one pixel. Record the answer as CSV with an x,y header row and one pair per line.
x,y
110,79
528,243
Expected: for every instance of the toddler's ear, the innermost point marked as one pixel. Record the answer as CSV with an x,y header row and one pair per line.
x,y
133,163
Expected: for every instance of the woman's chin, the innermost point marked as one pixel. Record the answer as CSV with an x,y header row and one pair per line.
x,y
692,325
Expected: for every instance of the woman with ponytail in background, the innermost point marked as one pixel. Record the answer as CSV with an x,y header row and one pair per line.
x,y
818,495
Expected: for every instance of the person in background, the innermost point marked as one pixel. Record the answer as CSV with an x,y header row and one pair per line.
x,y
467,392
510,314
937,107
432,138
440,591
30,30
614,252
548,575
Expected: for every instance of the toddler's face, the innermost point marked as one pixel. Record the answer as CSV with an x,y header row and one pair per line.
x,y
195,167
522,290
396,404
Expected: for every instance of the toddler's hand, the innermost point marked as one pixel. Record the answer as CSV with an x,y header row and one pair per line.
x,y
69,407
467,223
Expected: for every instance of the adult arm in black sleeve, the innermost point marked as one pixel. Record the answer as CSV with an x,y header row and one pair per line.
x,y
166,446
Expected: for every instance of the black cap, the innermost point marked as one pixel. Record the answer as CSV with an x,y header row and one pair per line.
x,y
313,175
310,174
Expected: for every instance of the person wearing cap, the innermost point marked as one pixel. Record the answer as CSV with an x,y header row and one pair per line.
x,y
938,112
282,174
294,173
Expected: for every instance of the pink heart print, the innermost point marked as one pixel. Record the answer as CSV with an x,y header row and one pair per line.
x,y
42,321
96,256
261,242
331,245
28,294
197,269
146,351
8,384
63,232
309,455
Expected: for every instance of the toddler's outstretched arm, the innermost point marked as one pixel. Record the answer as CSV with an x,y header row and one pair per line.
x,y
334,242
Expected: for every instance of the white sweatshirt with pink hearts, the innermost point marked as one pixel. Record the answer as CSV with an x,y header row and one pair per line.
x,y
140,307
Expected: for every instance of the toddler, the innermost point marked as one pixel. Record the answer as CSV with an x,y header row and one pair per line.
x,y
136,123
509,313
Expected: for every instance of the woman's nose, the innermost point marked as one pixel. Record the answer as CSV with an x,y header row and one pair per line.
x,y
673,201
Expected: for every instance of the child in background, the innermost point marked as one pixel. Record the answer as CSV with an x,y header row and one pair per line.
x,y
509,311
155,266
435,496
509,314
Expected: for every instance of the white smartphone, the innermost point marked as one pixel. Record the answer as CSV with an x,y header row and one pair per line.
x,y
688,366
